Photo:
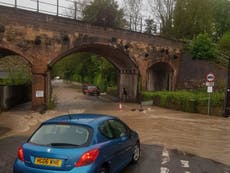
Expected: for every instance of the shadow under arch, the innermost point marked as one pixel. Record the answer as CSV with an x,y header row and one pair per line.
x,y
161,76
126,66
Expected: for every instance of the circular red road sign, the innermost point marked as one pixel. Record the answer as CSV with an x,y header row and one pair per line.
x,y
210,77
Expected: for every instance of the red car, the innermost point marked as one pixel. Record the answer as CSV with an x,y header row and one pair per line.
x,y
90,89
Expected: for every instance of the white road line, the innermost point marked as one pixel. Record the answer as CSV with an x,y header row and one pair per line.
x,y
165,159
164,170
184,163
187,172
165,156
165,153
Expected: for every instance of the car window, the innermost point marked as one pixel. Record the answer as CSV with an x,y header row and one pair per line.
x,y
92,87
106,130
118,128
61,134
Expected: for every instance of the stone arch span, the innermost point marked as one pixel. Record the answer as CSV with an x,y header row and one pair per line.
x,y
126,66
161,76
7,50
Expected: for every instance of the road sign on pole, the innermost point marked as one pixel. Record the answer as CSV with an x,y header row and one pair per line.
x,y
210,77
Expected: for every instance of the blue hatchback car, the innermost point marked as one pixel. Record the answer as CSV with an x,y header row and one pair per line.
x,y
79,143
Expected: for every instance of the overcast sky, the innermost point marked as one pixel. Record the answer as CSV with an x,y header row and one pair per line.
x,y
66,3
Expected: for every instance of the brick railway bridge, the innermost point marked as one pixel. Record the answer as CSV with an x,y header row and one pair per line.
x,y
42,39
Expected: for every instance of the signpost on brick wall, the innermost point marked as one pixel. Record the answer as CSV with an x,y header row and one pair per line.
x,y
210,78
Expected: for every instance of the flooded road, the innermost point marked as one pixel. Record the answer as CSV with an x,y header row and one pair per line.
x,y
203,135
183,135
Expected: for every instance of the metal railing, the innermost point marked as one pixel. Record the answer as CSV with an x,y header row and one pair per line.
x,y
69,10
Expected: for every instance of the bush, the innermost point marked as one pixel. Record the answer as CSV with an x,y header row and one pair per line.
x,y
202,47
16,78
188,101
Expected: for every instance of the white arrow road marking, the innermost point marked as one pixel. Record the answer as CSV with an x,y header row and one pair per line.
x,y
164,170
184,163
165,156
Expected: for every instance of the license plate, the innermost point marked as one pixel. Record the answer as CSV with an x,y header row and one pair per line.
x,y
48,162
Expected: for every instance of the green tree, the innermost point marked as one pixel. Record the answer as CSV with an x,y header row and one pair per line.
x,y
192,17
222,17
202,47
104,13
86,68
224,43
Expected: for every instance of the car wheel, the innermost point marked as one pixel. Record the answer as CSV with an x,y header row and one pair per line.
x,y
136,153
104,169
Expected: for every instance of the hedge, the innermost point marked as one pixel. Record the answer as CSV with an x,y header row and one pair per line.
x,y
187,101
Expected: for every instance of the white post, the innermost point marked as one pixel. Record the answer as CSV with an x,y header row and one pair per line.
x,y
209,101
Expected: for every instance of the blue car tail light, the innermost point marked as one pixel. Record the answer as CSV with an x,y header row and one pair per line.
x,y
88,157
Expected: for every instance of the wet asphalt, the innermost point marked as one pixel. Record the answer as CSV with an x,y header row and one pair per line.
x,y
154,159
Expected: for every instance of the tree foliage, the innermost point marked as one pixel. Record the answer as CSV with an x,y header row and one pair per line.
x,y
222,17
224,43
86,68
192,17
163,12
202,47
17,70
104,13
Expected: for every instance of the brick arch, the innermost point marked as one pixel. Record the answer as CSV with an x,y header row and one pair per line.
x,y
164,62
121,60
127,68
161,76
9,49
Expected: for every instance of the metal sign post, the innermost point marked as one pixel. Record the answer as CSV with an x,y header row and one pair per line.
x,y
209,98
209,83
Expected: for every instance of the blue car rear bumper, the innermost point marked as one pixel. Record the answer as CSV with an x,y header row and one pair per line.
x,y
20,167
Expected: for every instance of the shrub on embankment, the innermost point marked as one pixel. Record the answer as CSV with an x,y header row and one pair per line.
x,y
187,101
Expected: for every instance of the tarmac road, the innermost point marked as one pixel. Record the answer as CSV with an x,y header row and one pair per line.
x,y
154,159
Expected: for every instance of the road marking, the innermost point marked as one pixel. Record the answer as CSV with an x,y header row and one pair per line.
x,y
165,153
165,159
184,163
187,172
164,170
165,156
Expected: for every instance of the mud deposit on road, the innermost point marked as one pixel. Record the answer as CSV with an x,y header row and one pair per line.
x,y
4,130
201,135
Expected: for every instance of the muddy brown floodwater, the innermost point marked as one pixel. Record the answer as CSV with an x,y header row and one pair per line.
x,y
201,135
